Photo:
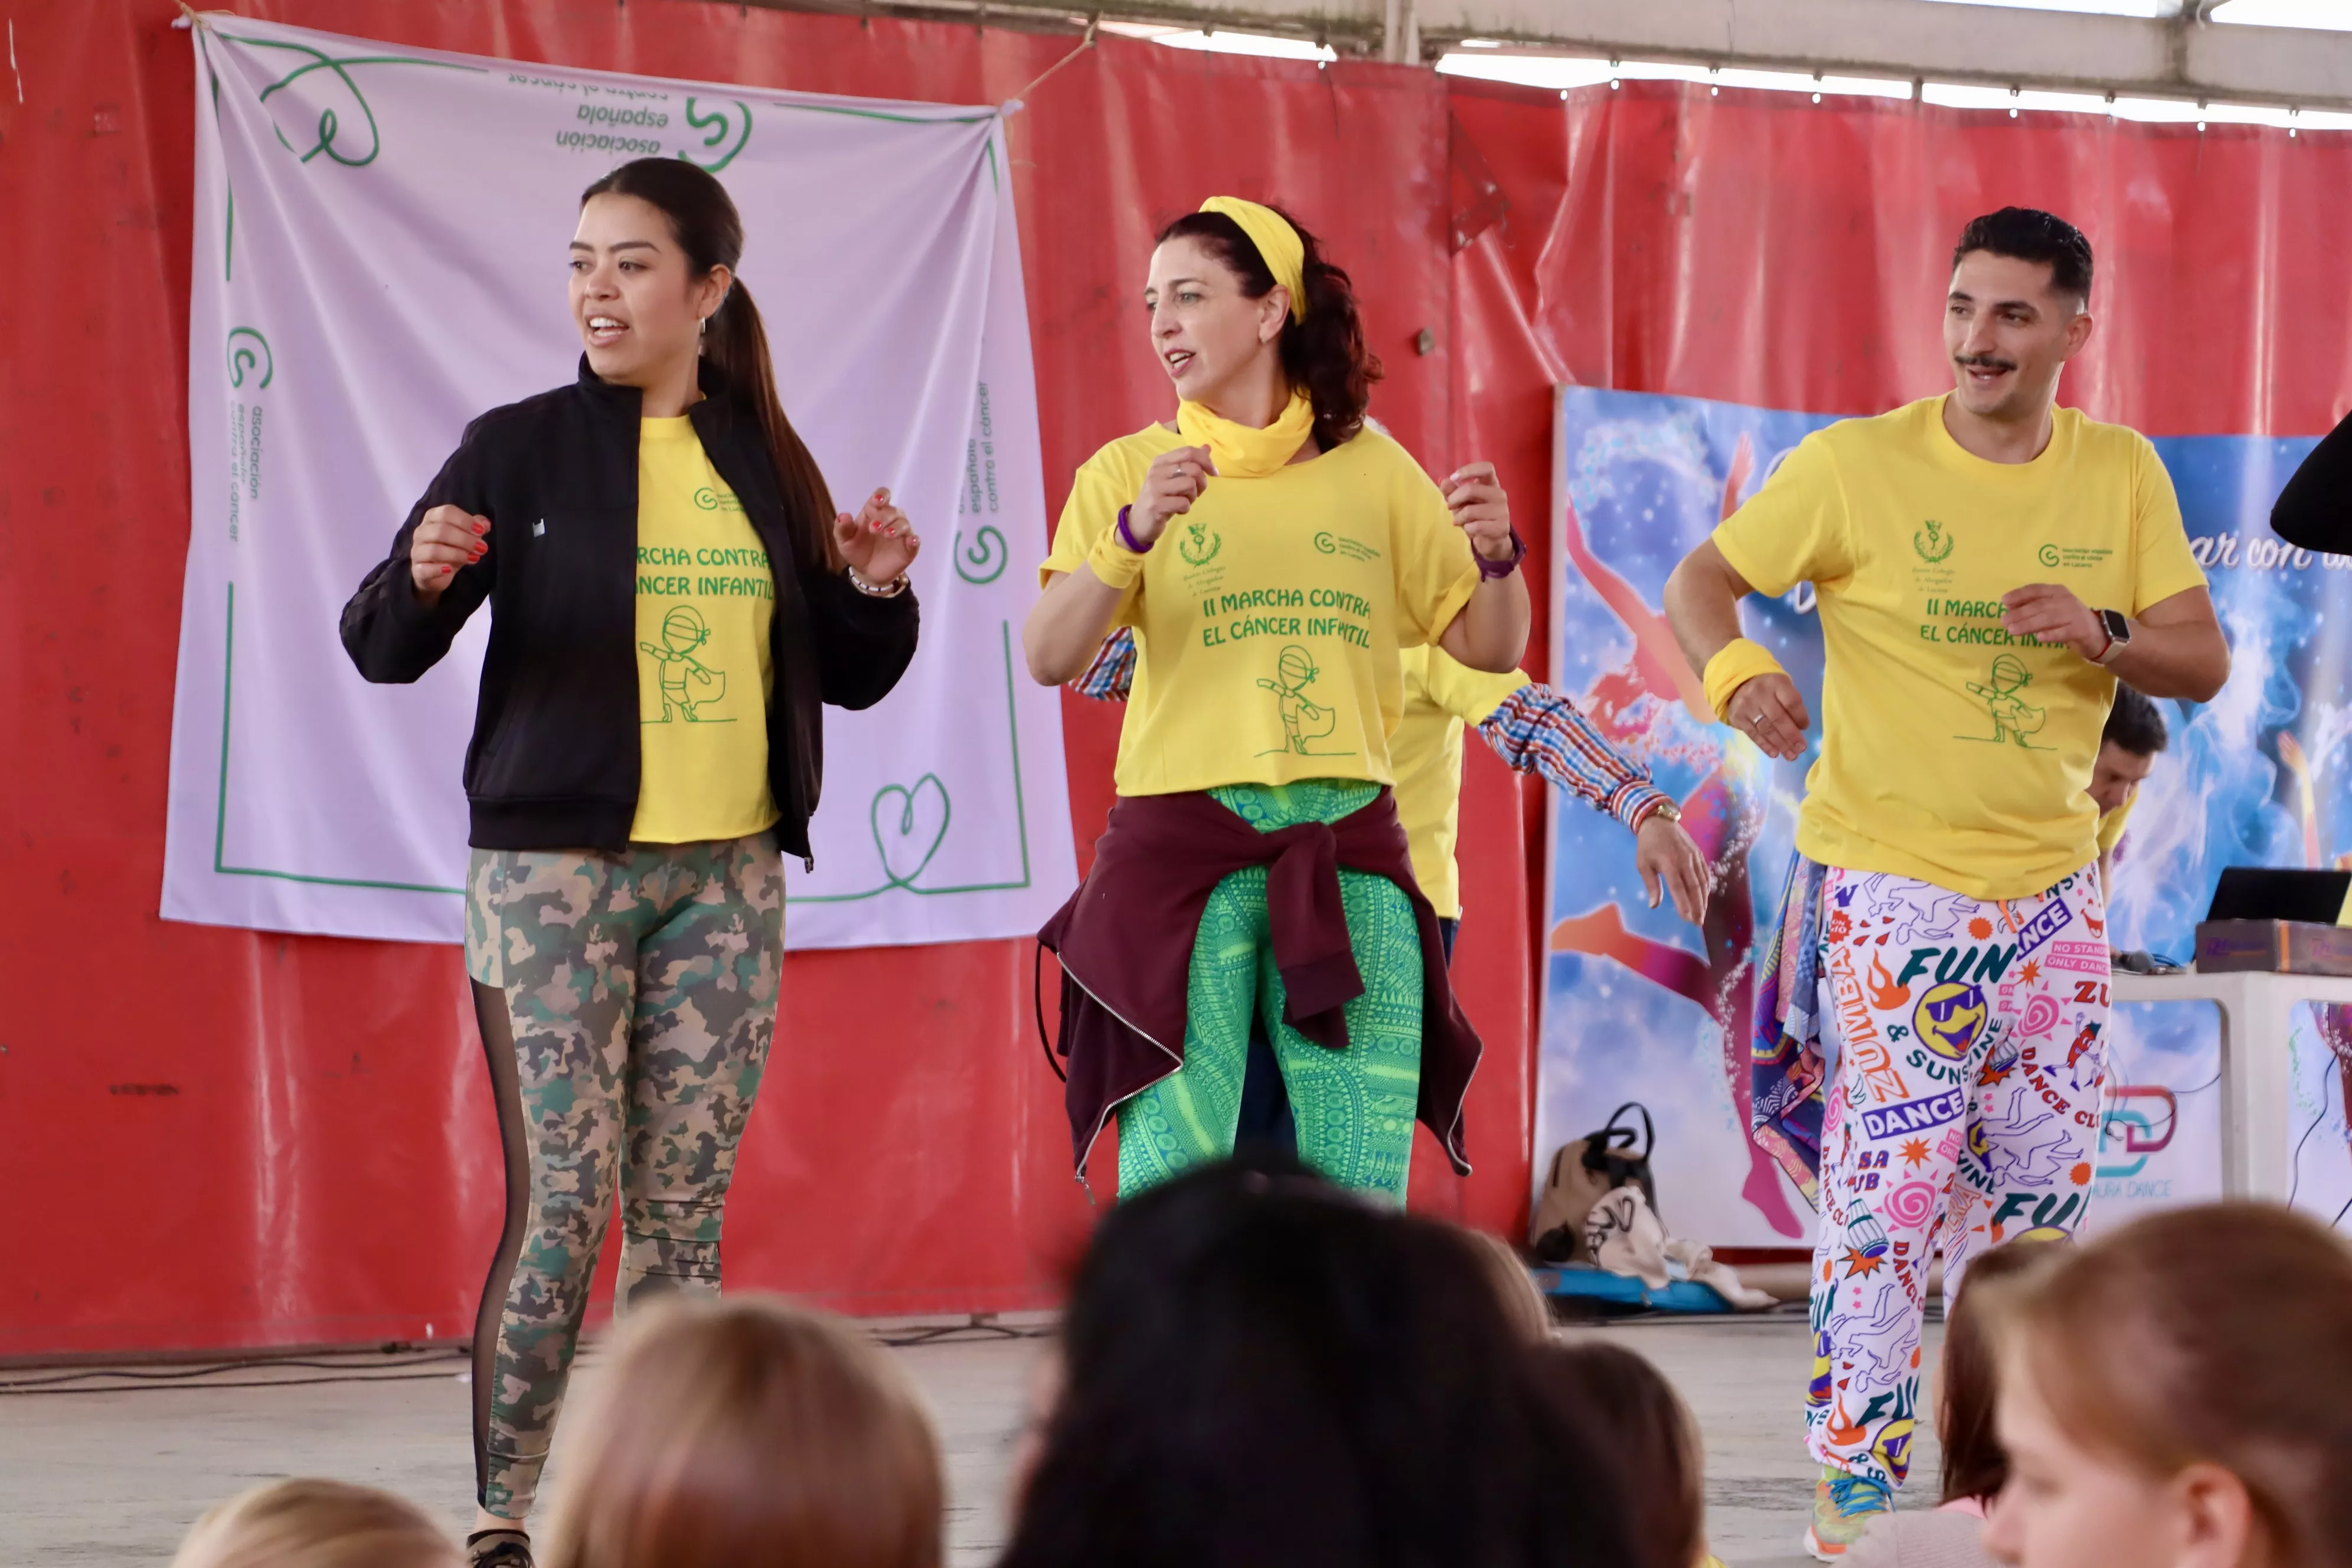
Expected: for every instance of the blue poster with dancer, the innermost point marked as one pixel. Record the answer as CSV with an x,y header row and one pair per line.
x,y
1638,1006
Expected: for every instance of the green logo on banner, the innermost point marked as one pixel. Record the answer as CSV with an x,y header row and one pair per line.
x,y
726,125
984,560
247,349
335,119
910,825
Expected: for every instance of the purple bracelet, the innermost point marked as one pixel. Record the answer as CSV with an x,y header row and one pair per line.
x,y
1490,569
1126,535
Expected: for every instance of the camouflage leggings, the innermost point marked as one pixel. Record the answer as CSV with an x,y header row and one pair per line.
x,y
626,1001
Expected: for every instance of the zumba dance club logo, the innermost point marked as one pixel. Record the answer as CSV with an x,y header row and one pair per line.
x,y
1931,541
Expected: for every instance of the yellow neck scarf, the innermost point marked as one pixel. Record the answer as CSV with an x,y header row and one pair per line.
x,y
1245,451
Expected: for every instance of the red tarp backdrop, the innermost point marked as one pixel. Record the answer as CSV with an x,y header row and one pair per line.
x,y
225,1138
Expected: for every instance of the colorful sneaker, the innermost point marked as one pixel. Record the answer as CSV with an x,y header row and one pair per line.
x,y
1843,1506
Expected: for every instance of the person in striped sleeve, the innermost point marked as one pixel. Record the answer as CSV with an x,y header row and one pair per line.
x,y
1533,727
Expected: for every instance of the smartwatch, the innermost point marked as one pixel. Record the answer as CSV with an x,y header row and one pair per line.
x,y
2119,633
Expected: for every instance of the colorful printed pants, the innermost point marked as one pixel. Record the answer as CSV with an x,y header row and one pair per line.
x,y
1354,1108
626,1003
1963,1111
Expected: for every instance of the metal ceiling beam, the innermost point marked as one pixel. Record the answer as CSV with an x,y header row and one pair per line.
x,y
2130,57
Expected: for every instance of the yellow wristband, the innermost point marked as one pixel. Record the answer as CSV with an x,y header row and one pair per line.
x,y
1114,563
1739,662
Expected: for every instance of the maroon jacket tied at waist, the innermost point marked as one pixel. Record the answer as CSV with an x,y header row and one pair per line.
x,y
1125,939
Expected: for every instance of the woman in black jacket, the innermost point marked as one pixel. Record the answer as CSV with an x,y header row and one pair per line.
x,y
675,596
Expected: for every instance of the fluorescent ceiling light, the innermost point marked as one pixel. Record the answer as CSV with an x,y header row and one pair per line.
x,y
2332,15
1562,72
2095,7
1222,42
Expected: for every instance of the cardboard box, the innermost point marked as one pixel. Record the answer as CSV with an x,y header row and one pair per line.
x,y
2276,947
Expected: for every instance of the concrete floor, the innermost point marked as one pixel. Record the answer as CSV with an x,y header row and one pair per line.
x,y
115,1474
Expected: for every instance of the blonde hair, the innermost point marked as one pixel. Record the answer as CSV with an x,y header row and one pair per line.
x,y
742,1432
307,1523
2219,1334
1522,1302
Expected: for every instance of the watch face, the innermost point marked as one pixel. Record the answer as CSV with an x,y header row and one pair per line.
x,y
2117,627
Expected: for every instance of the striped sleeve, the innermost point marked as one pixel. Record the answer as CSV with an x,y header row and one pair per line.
x,y
1538,731
1110,677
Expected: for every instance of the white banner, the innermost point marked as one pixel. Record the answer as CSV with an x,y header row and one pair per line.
x,y
380,256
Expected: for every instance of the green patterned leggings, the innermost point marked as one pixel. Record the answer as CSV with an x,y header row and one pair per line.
x,y
1355,1106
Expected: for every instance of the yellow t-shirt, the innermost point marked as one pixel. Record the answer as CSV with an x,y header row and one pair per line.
x,y
706,596
1951,751
1268,618
1442,694
2112,826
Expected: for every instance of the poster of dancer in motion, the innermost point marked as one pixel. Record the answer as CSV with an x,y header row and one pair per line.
x,y
1637,1006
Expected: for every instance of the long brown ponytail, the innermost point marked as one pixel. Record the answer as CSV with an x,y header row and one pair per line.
x,y
710,231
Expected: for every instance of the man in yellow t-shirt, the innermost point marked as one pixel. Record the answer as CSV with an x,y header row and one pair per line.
x,y
1987,566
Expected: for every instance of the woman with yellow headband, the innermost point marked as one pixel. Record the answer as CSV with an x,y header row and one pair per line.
x,y
1274,555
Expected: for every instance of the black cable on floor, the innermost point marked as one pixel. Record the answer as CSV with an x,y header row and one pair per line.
x,y
14,1391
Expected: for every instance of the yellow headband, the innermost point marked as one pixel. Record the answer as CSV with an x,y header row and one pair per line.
x,y
1284,252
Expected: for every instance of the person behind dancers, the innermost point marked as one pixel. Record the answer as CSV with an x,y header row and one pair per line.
x,y
1988,566
647,748
305,1522
746,1432
2128,747
1273,553
1260,1370
1951,1535
2178,1394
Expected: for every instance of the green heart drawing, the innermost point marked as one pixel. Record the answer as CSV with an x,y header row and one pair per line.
x,y
908,832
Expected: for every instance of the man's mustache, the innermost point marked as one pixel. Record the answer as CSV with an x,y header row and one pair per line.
x,y
1984,362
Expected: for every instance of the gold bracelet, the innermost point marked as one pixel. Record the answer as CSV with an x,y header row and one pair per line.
x,y
890,590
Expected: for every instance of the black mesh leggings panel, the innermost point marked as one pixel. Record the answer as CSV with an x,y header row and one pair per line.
x,y
497,1046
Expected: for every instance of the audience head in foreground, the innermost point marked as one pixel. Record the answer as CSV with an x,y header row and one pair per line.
x,y
1968,1380
1260,1371
748,1433
1655,1442
305,1523
2178,1394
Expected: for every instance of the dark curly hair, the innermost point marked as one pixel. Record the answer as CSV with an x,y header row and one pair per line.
x,y
1324,354
2029,234
1261,1370
2135,723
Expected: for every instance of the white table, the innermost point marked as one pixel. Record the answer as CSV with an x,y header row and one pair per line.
x,y
2256,1073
